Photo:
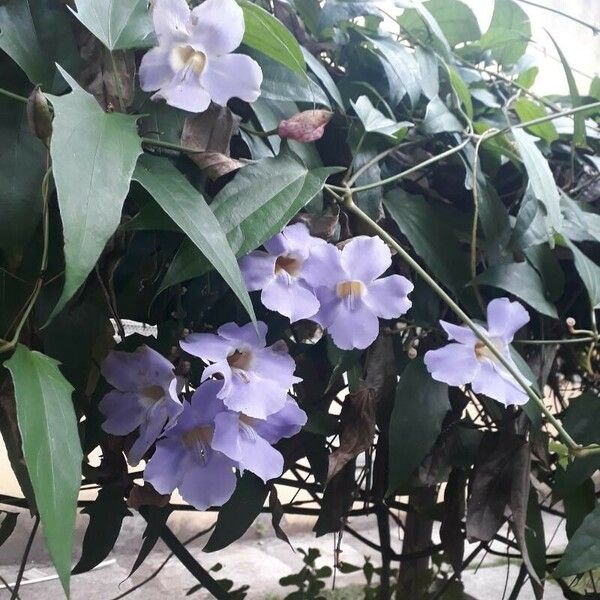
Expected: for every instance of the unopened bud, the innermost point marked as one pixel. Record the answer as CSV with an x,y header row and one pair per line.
x,y
39,115
412,353
306,126
571,322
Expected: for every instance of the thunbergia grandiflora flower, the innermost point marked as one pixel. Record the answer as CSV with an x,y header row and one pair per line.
x,y
351,292
145,397
193,62
467,360
255,378
279,272
185,460
248,440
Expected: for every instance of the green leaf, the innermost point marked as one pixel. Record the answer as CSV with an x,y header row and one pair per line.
x,y
93,157
118,24
436,36
509,32
461,90
589,272
36,35
541,180
439,119
22,168
375,122
419,400
335,11
583,550
579,118
274,189
268,35
324,77
429,235
579,503
239,512
51,448
522,280
527,110
186,207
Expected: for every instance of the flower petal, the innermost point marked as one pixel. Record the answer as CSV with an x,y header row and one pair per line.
x,y
454,364
366,258
207,346
258,269
499,385
218,26
294,238
323,268
209,484
246,334
171,19
290,298
165,469
355,327
205,402
123,411
256,398
220,368
259,457
226,438
388,296
155,70
232,75
505,318
460,333
184,91
282,424
150,429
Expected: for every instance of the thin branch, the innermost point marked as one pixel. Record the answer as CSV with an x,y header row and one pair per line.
x,y
594,29
15,592
12,95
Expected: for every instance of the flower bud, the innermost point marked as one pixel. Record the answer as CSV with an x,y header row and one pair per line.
x,y
412,353
570,322
306,126
39,115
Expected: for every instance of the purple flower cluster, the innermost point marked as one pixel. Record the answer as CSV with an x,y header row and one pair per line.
x,y
303,277
230,423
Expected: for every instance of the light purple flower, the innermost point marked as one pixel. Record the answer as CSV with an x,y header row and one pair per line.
x,y
192,63
350,293
256,379
279,273
145,397
185,460
468,360
248,440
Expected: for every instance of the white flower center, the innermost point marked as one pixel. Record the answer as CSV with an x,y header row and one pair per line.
x,y
185,56
247,426
351,292
240,361
198,441
152,395
288,264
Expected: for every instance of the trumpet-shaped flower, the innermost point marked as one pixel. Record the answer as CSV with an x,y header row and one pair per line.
x,y
467,360
193,62
184,458
247,440
279,272
256,379
352,294
145,397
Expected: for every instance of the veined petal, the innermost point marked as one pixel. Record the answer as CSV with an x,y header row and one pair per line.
x,y
283,424
258,269
354,327
366,258
218,25
155,69
207,346
226,438
460,333
164,470
209,484
499,385
388,296
290,298
123,411
171,19
454,364
257,398
329,307
184,91
505,318
232,75
205,402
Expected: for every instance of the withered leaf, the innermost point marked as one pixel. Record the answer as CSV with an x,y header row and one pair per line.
x,y
322,225
277,515
451,534
337,500
146,495
357,429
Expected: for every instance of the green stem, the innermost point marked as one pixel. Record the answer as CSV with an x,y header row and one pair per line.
x,y
582,340
526,385
120,94
265,134
12,95
170,146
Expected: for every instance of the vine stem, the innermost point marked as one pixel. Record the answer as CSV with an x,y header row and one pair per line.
x,y
349,204
264,134
118,86
13,96
169,146
582,340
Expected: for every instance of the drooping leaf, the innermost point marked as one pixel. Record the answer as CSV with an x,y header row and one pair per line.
x,y
435,36
428,72
422,400
579,503
239,512
275,189
268,35
374,121
523,281
541,179
7,525
324,77
589,272
51,448
156,519
535,541
451,527
186,206
337,500
118,25
439,119
529,110
106,518
93,157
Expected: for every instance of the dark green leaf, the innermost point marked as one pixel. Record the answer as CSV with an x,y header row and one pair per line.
x,y
239,512
579,503
8,524
375,122
461,90
324,77
118,25
93,157
51,448
268,35
419,399
186,207
428,72
589,272
436,36
544,261
521,280
534,537
509,32
439,119
528,111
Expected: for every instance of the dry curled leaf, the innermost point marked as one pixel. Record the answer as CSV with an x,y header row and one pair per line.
x,y
306,126
146,495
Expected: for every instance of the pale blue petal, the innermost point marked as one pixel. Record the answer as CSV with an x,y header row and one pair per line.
x,y
289,297
258,269
232,76
282,424
366,258
218,26
454,364
505,318
388,297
